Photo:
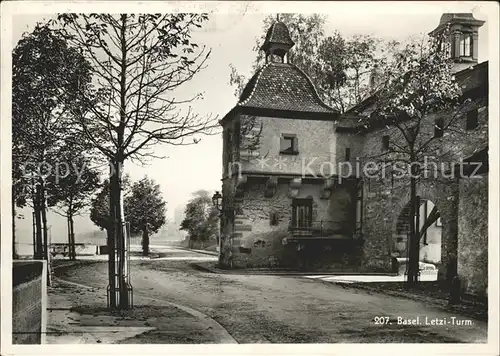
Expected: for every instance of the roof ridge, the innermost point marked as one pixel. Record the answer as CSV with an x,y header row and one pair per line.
x,y
260,71
313,86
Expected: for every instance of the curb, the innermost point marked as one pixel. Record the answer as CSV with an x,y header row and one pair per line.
x,y
223,334
271,272
199,251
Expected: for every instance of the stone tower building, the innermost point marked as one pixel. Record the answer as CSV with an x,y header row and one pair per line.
x,y
281,202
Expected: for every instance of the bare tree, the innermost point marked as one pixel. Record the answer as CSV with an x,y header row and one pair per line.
x,y
45,71
138,62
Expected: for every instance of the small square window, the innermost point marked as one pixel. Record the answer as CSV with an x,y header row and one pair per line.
x,y
289,144
385,142
438,128
472,120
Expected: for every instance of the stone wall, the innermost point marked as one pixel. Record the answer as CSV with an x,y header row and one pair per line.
x,y
473,234
258,241
384,200
29,302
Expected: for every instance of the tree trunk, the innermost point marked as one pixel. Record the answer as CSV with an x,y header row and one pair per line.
x,y
69,235
38,225
33,227
413,253
115,186
112,241
145,241
14,247
43,212
72,249
46,244
116,194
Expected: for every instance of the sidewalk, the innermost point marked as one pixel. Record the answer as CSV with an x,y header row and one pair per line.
x,y
77,314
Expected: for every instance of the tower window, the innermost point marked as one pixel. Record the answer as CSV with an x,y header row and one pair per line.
x,y
472,120
385,142
465,45
347,154
438,128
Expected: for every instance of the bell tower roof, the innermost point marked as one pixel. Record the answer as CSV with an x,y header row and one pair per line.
x,y
278,40
465,19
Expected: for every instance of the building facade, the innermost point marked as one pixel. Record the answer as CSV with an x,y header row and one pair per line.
x,y
286,204
457,241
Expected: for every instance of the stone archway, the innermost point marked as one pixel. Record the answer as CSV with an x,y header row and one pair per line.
x,y
430,228
444,198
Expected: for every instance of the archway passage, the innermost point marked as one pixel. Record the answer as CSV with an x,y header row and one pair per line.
x,y
428,218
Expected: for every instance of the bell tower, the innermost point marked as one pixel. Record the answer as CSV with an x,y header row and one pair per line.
x,y
460,38
277,43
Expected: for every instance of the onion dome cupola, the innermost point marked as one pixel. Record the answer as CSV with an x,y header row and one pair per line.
x,y
277,43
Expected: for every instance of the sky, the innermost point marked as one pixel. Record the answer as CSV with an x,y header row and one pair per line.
x,y
231,33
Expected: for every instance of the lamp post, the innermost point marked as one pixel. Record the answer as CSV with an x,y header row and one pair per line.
x,y
217,202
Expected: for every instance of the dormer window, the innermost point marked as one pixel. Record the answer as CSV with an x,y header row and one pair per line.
x,y
466,45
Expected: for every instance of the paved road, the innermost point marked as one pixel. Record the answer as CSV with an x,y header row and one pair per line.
x,y
285,309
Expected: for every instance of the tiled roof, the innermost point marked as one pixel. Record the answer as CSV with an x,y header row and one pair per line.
x,y
473,81
282,86
277,33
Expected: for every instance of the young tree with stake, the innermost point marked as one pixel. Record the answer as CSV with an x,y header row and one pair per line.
x,y
138,62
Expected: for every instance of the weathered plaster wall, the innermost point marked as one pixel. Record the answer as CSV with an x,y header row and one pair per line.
x,y
473,234
316,146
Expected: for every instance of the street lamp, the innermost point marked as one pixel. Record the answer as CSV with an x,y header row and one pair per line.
x,y
217,201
